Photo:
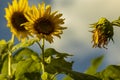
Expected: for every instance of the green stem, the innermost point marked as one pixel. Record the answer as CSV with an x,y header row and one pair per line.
x,y
12,39
52,78
9,56
42,49
9,65
43,43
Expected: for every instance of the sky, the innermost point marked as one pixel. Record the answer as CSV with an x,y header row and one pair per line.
x,y
76,40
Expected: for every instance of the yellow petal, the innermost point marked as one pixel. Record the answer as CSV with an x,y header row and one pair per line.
x,y
15,5
48,10
42,9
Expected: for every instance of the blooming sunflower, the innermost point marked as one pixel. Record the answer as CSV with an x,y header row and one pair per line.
x,y
102,33
15,17
43,23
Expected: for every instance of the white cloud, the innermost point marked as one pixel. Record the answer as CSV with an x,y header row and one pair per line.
x,y
79,14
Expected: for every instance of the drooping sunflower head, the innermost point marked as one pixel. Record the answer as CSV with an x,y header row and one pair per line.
x,y
102,33
15,17
43,23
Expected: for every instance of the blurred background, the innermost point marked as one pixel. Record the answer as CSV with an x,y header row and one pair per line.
x,y
76,40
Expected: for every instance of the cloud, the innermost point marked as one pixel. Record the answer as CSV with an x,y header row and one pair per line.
x,y
79,14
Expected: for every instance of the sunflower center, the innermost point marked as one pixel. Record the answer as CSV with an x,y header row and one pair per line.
x,y
44,26
17,19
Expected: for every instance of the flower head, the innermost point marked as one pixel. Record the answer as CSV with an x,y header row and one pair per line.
x,y
43,23
15,17
102,33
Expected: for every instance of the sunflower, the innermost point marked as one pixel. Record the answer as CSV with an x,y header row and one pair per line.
x,y
44,24
15,17
102,33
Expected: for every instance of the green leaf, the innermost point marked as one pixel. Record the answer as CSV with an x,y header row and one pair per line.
x,y
26,65
55,59
4,69
67,78
52,67
44,76
3,77
94,65
116,22
3,48
21,68
33,76
25,53
52,51
79,76
112,72
24,44
3,43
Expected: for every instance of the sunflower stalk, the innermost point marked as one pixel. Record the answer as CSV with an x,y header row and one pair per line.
x,y
43,43
9,65
10,45
54,75
42,49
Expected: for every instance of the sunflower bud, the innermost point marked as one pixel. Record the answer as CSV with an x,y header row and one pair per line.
x,y
102,33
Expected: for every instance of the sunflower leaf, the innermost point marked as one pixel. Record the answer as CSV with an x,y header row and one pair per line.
x,y
53,59
67,77
26,65
112,72
24,44
94,65
44,76
4,69
52,51
3,48
80,76
116,22
3,45
25,53
56,65
3,77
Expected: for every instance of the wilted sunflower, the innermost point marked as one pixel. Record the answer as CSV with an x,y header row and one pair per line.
x,y
15,17
102,33
43,23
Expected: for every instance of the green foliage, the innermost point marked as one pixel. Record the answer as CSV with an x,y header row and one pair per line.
x,y
67,78
95,63
4,69
116,22
25,53
59,65
45,76
112,72
3,77
3,45
3,52
55,61
52,51
79,76
27,64
24,44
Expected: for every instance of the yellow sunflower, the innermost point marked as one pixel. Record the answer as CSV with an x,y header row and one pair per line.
x,y
15,17
43,23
